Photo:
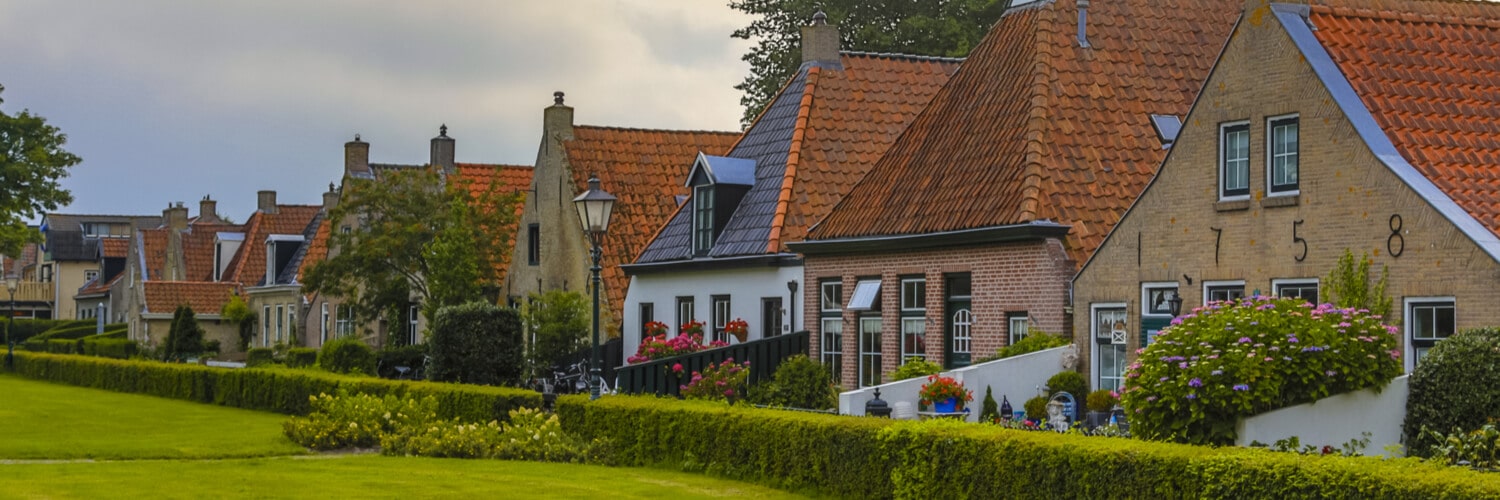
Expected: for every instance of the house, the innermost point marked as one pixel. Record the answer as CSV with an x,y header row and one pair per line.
x,y
180,262
32,298
1396,100
70,257
93,299
267,260
642,168
722,256
966,234
327,316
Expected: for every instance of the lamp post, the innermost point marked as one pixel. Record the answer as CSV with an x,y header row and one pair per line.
x,y
594,207
11,282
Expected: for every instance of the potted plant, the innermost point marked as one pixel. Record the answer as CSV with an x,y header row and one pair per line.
x,y
738,328
1036,409
693,327
655,328
1100,403
945,394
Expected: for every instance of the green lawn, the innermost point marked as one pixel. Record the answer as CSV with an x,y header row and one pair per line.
x,y
41,420
360,477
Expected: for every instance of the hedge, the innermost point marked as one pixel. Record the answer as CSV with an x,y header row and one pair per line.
x,y
27,328
299,357
278,390
878,458
109,347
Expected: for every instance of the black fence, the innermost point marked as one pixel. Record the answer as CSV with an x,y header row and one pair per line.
x,y
764,355
611,352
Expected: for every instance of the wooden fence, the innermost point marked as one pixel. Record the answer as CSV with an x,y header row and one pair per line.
x,y
764,355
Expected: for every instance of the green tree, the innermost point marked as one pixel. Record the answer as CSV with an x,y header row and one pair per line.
x,y
1349,285
185,338
559,322
476,343
923,27
410,235
238,313
32,160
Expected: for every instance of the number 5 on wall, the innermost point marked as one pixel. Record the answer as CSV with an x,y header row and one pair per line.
x,y
1298,239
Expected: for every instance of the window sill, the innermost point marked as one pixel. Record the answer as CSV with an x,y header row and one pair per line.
x,y
1281,201
1232,205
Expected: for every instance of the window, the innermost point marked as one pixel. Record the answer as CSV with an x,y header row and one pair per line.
x,y
913,318
47,273
90,275
770,317
1234,160
1017,324
703,219
96,229
1218,291
1156,309
346,230
280,322
1428,320
534,244
869,351
831,327
265,326
1109,346
1282,149
1303,289
684,312
866,295
323,331
413,314
648,314
291,323
344,325
721,317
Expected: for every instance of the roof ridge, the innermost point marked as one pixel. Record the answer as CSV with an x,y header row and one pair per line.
x,y
794,154
640,129
502,165
1381,9
237,262
1036,123
898,55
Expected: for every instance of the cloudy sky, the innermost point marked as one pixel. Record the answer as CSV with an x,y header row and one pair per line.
x,y
171,100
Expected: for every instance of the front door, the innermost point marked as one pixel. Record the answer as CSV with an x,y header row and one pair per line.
x,y
770,317
958,328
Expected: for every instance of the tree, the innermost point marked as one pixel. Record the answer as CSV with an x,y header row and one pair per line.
x,y
559,322
32,160
238,313
415,236
1349,285
185,338
475,343
924,27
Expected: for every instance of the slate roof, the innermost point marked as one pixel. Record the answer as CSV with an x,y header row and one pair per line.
x,y
1429,74
316,249
293,271
644,170
203,297
825,129
70,244
74,222
249,264
1035,127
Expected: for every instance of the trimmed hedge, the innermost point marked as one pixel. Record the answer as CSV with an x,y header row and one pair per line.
x,y
347,355
1456,388
28,328
258,356
879,458
277,390
298,357
109,347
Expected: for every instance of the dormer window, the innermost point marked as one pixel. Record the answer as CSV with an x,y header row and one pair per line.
x,y
280,249
718,184
703,219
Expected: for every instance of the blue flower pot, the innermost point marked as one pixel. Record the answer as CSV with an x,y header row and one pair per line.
x,y
949,405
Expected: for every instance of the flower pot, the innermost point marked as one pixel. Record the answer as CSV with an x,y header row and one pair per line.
x,y
949,405
741,335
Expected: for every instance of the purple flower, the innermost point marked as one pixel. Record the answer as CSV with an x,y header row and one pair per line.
x,y
1163,379
1195,382
1191,396
1150,398
1182,365
1241,387
1217,372
1312,348
1330,373
1244,340
1292,339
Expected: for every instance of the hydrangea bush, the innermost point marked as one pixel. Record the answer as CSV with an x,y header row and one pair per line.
x,y
659,346
1228,360
723,381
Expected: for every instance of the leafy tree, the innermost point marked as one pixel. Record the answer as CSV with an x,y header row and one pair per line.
x,y
1349,285
475,343
185,338
32,160
559,322
924,27
238,313
414,236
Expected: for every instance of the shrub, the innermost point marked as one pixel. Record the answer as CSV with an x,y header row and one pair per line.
x,y
561,321
347,355
1455,389
938,389
660,347
1479,448
299,357
915,367
27,328
185,337
238,313
1070,382
1102,400
529,435
990,410
109,347
1233,359
1349,285
61,346
476,343
1034,341
1036,408
410,356
357,420
258,356
799,382
878,458
722,381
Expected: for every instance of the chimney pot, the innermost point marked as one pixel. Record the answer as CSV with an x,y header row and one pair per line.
x,y
175,216
820,41
557,98
208,210
356,156
442,151
330,198
266,201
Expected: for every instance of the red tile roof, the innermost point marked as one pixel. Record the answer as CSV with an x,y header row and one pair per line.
x,y
317,249
249,265
115,248
1035,127
204,298
478,178
154,252
1429,73
644,170
98,287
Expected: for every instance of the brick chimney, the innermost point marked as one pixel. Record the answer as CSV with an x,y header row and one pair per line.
x,y
176,216
557,120
356,156
442,151
208,210
330,198
173,268
265,201
820,41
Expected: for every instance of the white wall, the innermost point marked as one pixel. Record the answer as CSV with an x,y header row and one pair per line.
x,y
1334,420
744,286
1016,378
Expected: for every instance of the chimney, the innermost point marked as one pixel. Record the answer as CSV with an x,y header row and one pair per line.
x,y
442,151
176,216
265,201
1083,23
330,198
820,41
356,156
208,210
557,120
1251,5
174,269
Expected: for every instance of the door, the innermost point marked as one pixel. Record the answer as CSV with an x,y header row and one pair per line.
x,y
770,317
958,328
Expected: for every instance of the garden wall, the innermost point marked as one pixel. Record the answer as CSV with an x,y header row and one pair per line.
x,y
1016,377
1334,420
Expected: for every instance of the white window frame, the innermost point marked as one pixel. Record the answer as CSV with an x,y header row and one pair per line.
x,y
411,324
870,350
343,322
291,322
1208,285
1094,351
913,319
1276,285
323,332
703,219
265,326
1146,300
831,327
1010,326
722,308
280,322
90,275
1409,357
1221,161
1271,155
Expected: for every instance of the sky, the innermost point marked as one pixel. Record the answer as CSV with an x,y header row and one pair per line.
x,y
169,101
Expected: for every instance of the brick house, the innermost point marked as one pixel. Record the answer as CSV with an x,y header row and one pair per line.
x,y
965,235
642,168
1401,150
181,262
723,255
69,260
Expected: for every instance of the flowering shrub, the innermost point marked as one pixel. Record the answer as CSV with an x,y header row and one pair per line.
x,y
1233,359
1102,400
693,327
718,382
942,388
738,328
655,328
659,346
357,420
530,435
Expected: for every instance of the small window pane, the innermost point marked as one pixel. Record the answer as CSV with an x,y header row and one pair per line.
x,y
913,295
833,292
913,338
1226,292
1018,327
1284,155
1235,164
869,351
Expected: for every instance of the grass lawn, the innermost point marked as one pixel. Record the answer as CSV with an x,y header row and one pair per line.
x,y
364,476
42,420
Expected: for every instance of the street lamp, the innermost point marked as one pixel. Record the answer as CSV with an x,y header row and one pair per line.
x,y
11,282
594,207
1175,303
